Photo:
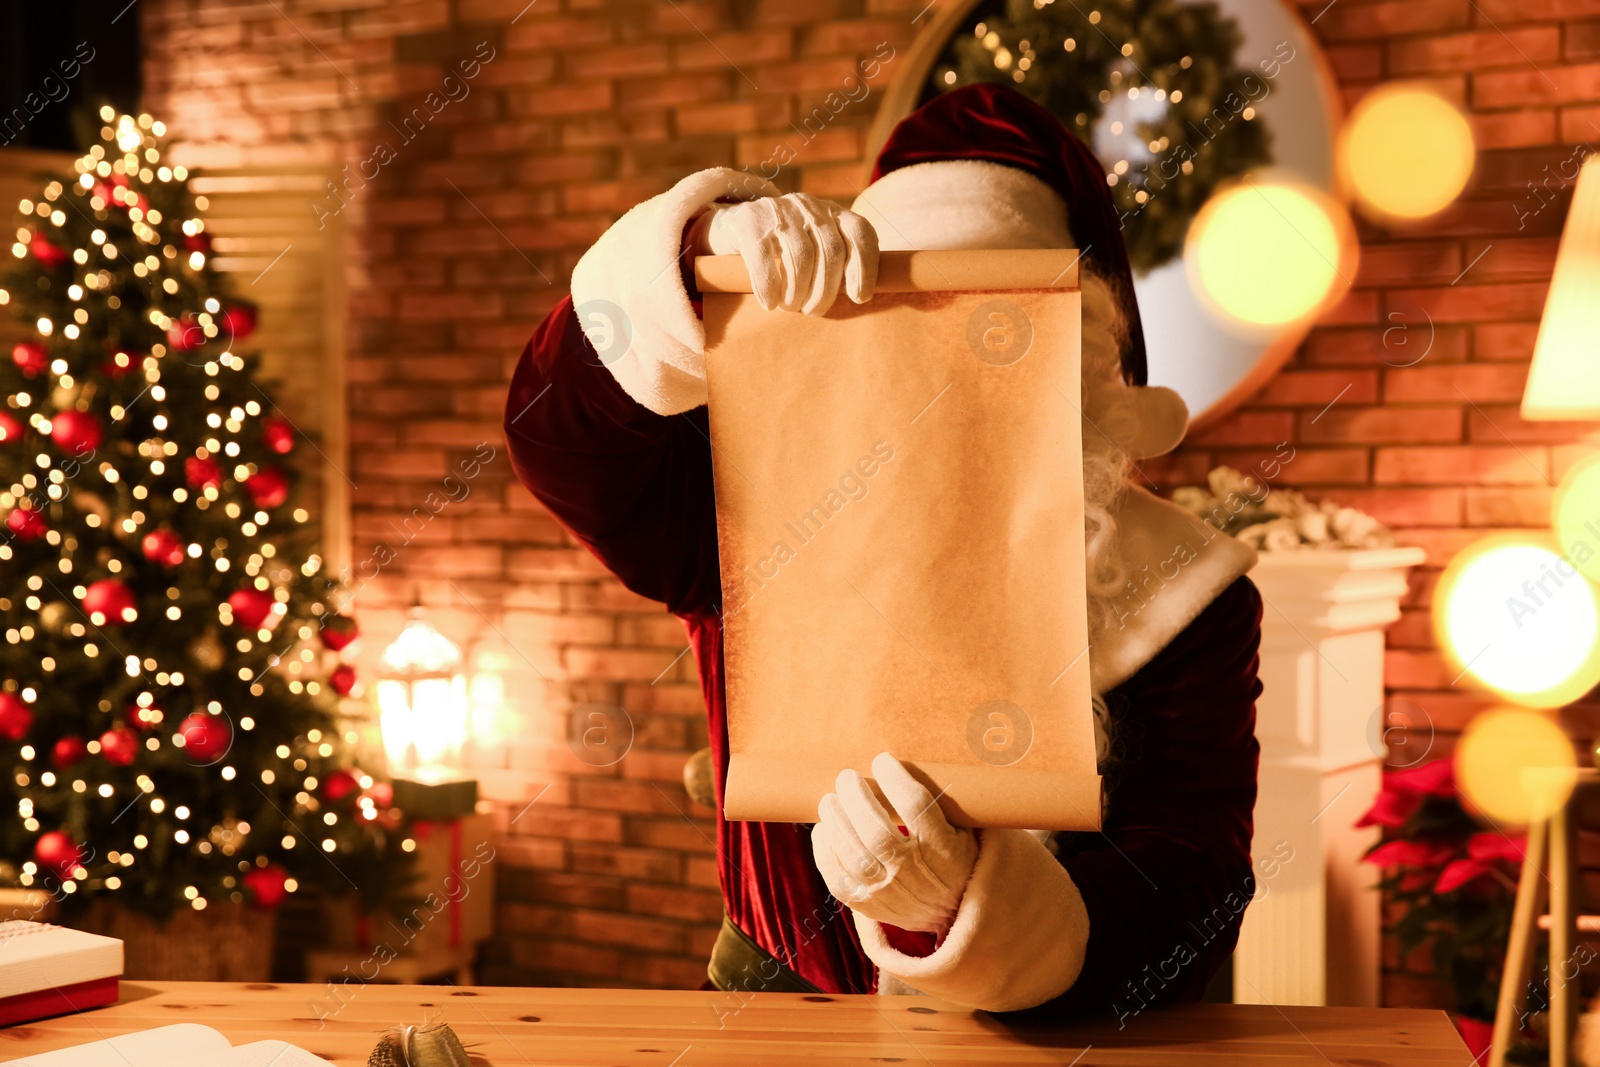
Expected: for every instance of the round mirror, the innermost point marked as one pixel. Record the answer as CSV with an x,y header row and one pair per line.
x,y
1178,102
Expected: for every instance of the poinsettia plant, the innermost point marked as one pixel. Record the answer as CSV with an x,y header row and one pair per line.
x,y
1452,880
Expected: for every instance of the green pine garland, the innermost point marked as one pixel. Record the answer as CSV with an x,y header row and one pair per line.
x,y
1075,56
182,755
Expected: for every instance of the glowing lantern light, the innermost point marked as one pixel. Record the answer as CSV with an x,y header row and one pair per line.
x,y
1514,614
1516,766
1576,516
1406,152
1267,254
422,702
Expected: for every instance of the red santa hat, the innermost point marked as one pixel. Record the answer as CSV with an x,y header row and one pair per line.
x,y
985,167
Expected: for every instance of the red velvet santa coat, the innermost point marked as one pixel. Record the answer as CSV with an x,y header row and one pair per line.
x,y
1164,885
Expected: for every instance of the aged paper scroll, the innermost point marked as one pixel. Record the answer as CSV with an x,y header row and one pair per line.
x,y
900,518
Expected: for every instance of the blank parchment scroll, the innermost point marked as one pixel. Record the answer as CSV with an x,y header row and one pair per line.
x,y
900,518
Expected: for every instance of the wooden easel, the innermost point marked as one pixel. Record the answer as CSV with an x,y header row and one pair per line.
x,y
1552,841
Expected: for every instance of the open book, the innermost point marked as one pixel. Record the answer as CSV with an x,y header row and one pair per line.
x,y
181,1045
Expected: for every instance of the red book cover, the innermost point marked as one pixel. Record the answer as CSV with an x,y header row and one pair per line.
x,y
50,970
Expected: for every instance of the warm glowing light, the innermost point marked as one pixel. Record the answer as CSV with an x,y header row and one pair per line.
x,y
1512,613
1564,379
1515,766
422,699
1406,152
1266,254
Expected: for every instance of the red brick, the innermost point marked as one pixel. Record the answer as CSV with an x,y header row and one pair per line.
x,y
1460,383
675,903
1319,388
1346,21
723,50
1248,428
1304,467
1406,339
1471,466
1549,83
1388,425
1519,507
1477,50
1514,129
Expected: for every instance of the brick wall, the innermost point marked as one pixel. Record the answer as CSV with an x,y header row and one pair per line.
x,y
463,234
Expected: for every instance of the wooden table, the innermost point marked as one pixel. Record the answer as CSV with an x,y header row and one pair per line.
x,y
647,1028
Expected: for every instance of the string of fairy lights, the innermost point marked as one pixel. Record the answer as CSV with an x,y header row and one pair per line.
x,y
168,470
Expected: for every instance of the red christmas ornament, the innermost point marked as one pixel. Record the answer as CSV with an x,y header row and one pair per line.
x,y
185,334
205,737
343,679
251,608
382,794
50,256
15,717
162,546
26,523
119,745
30,357
277,434
202,473
267,885
56,853
340,784
239,321
268,487
76,432
338,631
67,751
110,601
197,242
10,428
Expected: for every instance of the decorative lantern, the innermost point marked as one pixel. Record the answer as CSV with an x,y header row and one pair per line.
x,y
422,711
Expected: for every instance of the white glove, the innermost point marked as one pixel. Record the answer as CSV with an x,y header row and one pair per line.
x,y
797,248
912,880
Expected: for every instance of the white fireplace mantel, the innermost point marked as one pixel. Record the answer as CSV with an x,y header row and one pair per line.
x,y
1313,933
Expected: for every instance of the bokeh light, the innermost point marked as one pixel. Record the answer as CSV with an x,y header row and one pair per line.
x,y
1406,152
1268,253
1576,516
1514,615
1515,766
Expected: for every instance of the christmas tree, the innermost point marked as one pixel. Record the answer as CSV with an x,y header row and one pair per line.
x,y
170,675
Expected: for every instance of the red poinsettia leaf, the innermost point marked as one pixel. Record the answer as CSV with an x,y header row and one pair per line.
x,y
1458,873
1391,809
1436,778
1492,845
1410,854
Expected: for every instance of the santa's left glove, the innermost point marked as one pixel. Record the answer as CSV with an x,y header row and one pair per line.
x,y
912,878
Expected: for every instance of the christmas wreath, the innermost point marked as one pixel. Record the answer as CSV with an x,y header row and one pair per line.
x,y
1152,85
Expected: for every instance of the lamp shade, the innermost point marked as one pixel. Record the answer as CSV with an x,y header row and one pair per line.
x,y
1564,379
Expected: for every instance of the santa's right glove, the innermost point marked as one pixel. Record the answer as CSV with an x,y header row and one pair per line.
x,y
799,250
628,292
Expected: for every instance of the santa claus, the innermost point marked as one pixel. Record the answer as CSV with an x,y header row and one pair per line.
x,y
606,424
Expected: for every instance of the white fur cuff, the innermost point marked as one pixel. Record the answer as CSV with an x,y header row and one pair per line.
x,y
1018,938
628,292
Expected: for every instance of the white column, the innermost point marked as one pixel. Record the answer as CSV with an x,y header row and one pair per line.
x,y
1312,935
